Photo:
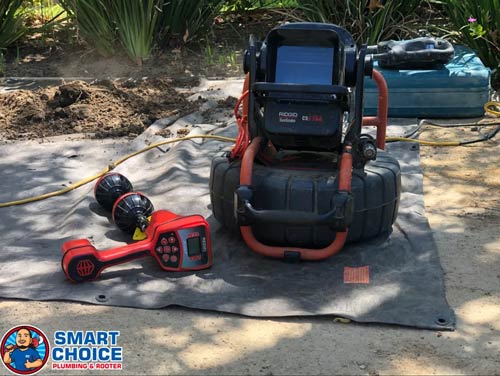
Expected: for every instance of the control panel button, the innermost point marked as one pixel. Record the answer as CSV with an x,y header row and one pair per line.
x,y
183,249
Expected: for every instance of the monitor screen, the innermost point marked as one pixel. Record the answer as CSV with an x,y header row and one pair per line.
x,y
304,65
194,246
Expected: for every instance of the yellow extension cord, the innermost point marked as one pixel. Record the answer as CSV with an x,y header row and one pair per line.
x,y
424,142
488,107
110,167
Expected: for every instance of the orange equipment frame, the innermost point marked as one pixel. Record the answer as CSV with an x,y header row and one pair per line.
x,y
247,150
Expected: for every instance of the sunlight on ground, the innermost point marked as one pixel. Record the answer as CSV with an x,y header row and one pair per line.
x,y
491,252
425,366
489,314
13,311
216,343
479,325
454,352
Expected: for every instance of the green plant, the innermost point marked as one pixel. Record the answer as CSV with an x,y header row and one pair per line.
x,y
244,5
2,64
11,22
44,18
186,19
105,24
95,23
136,22
477,24
368,20
209,55
137,25
17,60
43,11
228,59
222,56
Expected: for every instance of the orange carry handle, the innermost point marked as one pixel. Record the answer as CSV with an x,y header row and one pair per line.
x,y
380,121
345,178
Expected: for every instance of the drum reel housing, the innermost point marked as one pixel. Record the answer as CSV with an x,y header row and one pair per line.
x,y
288,183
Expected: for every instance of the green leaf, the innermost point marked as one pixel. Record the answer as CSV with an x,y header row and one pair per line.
x,y
11,22
366,25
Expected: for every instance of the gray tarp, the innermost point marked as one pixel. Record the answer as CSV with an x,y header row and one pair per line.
x,y
406,280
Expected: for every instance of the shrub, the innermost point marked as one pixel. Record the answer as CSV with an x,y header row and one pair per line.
x,y
368,21
477,24
136,22
186,18
11,22
244,5
136,25
95,23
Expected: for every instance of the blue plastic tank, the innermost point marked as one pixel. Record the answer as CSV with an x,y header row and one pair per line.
x,y
457,89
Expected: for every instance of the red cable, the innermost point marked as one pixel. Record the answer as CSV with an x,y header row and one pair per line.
x,y
243,138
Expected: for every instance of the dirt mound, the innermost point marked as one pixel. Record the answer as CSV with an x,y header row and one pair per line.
x,y
69,94
103,109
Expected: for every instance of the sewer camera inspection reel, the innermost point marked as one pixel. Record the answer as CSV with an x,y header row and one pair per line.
x,y
177,243
302,179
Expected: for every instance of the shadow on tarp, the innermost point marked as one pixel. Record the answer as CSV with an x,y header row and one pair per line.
x,y
406,279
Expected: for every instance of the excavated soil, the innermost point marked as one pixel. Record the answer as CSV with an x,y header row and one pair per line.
x,y
101,109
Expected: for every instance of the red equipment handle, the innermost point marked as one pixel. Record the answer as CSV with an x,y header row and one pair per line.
x,y
83,262
345,178
380,121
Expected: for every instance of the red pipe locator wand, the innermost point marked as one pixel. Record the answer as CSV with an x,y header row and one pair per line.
x,y
177,243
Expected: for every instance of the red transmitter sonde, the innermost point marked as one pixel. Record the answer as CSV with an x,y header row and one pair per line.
x,y
177,243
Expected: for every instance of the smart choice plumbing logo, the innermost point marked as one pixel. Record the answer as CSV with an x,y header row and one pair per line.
x,y
25,350
92,350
